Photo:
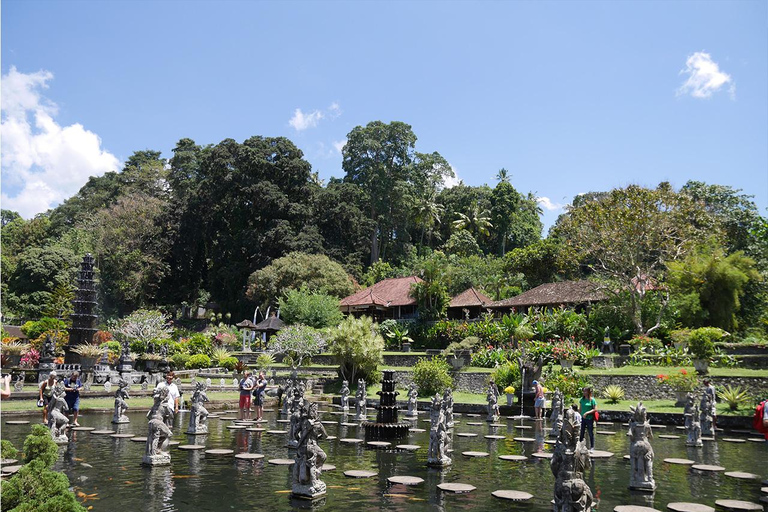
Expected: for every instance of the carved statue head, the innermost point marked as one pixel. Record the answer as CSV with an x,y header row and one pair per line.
x,y
638,413
436,402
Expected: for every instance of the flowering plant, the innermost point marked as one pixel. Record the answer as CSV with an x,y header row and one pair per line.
x,y
30,359
680,381
510,390
567,348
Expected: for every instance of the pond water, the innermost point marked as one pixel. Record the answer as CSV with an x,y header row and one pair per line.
x,y
200,482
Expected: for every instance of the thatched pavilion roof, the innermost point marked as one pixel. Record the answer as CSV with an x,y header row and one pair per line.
x,y
270,324
469,298
387,293
554,294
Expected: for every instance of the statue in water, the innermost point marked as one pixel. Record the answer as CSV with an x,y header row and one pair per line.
x,y
58,423
692,425
309,458
413,402
448,408
493,403
640,450
345,396
438,435
705,416
121,395
556,416
158,435
569,461
361,404
198,417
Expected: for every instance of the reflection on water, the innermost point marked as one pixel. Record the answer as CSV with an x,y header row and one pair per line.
x,y
111,469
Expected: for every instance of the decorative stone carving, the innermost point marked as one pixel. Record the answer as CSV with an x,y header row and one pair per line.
x,y
297,408
198,417
438,435
361,403
493,403
413,402
345,395
640,451
448,408
309,458
692,425
569,461
287,397
58,423
705,416
121,395
556,416
158,435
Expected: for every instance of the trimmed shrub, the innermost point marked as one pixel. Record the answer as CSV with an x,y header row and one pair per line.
x,y
39,446
506,375
180,360
228,363
432,376
198,361
7,450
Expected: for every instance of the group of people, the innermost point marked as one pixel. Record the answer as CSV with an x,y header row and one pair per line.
x,y
252,387
72,387
586,411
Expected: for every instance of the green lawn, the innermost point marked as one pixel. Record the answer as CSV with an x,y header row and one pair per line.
x,y
669,406
666,370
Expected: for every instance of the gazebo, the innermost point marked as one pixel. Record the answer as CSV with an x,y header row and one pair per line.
x,y
269,326
390,298
247,327
469,303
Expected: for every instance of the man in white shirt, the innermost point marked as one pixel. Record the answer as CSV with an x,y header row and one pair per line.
x,y
173,393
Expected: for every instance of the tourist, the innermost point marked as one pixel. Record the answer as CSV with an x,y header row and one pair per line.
x,y
72,387
45,393
588,410
765,421
576,414
258,395
173,394
246,388
709,389
538,399
6,391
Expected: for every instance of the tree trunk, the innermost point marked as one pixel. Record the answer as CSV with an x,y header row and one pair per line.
x,y
375,244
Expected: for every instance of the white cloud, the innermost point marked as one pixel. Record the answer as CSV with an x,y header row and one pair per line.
x,y
547,204
42,161
301,121
334,110
704,77
450,182
339,144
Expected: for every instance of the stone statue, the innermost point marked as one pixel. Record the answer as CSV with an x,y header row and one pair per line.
x,y
640,451
413,402
345,395
493,403
361,404
297,407
198,417
529,369
121,395
58,423
569,461
692,425
438,435
49,347
309,458
448,408
158,435
288,396
705,416
556,416
607,345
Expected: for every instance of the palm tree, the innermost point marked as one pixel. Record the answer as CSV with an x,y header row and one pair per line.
x,y
428,213
474,221
503,175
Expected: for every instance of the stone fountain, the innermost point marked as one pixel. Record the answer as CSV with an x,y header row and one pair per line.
x,y
386,425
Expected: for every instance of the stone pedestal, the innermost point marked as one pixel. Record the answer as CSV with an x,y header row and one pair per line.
x,y
161,459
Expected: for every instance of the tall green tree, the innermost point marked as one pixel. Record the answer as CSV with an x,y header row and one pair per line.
x,y
505,203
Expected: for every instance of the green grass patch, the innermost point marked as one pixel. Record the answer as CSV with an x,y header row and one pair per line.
x,y
666,370
669,406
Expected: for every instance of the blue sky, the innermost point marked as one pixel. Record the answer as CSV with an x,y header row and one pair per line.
x,y
569,96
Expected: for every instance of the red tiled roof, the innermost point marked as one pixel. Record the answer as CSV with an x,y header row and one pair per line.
x,y
552,294
468,298
387,293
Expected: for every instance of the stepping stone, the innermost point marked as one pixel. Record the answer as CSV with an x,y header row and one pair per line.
x,y
330,438
456,488
495,437
236,427
139,439
328,467
378,444
550,441
738,505
280,462
668,436
741,475
103,432
229,418
255,429
405,480
524,439
680,427
430,421
633,508
756,439
657,426
416,430
174,443
707,467
83,429
191,447
359,473
348,424
689,507
8,462
512,495
685,462
277,431
123,436
542,455
496,425
472,415
731,440
605,433
513,458
522,427
466,434
283,421
326,422
219,451
409,447
245,422
600,454
627,457
10,470
474,423
249,456
475,454
17,422
708,438
351,440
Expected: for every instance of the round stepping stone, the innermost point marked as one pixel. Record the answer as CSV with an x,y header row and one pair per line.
x,y
280,462
475,454
277,431
475,423
732,440
249,456
600,454
351,440
466,434
405,480
10,470
330,438
764,490
627,457
17,422
679,427
219,451
550,441
327,422
514,458
255,429
236,427
512,495
409,447
668,436
139,439
191,447
472,415
83,429
359,473
348,424
707,467
523,427
283,421
174,443
741,475
328,467
123,436
495,437
633,508
8,462
228,418
657,426
684,462
707,438
689,507
756,439
542,455
495,425
738,505
456,487
378,444
524,439
605,433
103,432
416,430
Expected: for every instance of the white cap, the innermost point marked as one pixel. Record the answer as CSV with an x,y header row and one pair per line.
x,y
52,374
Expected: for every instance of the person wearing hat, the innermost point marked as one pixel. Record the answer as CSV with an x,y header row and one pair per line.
x,y
538,399
45,393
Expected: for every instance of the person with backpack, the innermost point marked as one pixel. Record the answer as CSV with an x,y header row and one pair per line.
x,y
246,387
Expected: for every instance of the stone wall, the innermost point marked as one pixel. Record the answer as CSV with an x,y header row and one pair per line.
x,y
646,387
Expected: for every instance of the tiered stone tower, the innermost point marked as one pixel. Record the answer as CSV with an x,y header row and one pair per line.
x,y
386,424
83,317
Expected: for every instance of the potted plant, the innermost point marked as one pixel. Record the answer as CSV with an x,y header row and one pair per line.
x,y
14,350
89,354
461,352
151,361
701,344
510,391
681,383
566,351
680,338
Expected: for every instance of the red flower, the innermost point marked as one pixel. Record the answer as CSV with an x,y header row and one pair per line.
x,y
684,372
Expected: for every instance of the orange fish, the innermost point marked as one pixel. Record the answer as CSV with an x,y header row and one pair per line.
x,y
128,482
78,460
